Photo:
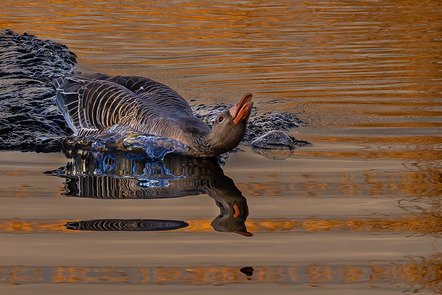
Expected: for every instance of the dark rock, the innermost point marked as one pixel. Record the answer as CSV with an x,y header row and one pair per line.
x,y
30,120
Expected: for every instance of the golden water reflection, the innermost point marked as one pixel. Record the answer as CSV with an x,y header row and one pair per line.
x,y
416,274
427,223
114,175
363,75
311,51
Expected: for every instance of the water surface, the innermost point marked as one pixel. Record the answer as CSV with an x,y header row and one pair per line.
x,y
358,211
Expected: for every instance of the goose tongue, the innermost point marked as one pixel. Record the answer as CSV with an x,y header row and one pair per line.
x,y
242,109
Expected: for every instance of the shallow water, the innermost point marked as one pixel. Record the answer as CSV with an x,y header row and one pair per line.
x,y
358,211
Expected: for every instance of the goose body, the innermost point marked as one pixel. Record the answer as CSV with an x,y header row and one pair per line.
x,y
93,104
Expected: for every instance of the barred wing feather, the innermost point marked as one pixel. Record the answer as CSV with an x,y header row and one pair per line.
x,y
154,94
93,102
92,105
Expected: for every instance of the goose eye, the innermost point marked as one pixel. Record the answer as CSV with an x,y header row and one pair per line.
x,y
220,118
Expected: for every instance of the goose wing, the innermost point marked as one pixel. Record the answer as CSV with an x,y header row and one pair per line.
x,y
155,95
90,103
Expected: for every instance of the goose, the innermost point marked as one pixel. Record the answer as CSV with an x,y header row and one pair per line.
x,y
100,104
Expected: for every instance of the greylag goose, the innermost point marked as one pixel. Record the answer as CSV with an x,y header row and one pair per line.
x,y
130,106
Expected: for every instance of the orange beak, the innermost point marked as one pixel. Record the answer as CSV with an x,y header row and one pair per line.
x,y
242,110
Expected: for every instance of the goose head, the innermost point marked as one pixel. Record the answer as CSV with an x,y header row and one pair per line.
x,y
229,126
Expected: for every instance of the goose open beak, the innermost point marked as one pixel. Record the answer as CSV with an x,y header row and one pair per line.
x,y
242,110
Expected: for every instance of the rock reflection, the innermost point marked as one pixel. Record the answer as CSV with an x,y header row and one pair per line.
x,y
120,175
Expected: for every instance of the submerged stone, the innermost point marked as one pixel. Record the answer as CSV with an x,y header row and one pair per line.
x,y
276,145
274,140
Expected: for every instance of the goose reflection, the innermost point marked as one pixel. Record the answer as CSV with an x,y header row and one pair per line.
x,y
122,175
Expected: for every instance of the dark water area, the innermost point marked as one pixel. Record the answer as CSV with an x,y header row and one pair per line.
x,y
357,211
